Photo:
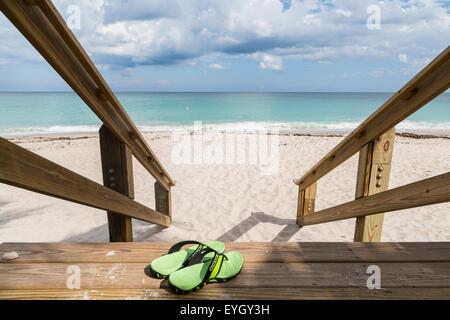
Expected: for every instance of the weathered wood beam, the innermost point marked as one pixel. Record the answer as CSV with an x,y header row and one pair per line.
x,y
95,276
163,200
254,252
260,293
25,169
425,192
117,172
306,200
374,169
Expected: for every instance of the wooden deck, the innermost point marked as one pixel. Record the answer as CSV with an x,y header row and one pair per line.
x,y
321,270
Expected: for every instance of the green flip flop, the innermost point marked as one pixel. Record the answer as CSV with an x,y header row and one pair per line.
x,y
200,271
176,258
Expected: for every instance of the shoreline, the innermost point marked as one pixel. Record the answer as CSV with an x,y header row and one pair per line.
x,y
414,134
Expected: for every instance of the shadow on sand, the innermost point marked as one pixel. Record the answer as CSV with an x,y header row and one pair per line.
x,y
256,217
100,233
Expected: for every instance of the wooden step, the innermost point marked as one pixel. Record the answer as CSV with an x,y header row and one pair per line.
x,y
282,252
271,271
210,292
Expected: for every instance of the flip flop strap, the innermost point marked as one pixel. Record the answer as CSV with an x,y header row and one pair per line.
x,y
200,248
215,263
177,246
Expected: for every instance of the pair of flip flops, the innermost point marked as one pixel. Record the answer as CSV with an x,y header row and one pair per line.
x,y
190,269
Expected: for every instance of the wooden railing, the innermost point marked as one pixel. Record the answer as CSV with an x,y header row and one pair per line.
x,y
40,22
374,139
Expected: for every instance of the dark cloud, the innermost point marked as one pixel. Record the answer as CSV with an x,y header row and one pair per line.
x,y
129,10
127,61
255,45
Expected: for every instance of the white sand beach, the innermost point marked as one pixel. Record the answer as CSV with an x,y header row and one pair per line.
x,y
230,202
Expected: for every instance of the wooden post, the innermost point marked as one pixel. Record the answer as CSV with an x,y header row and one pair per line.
x,y
117,175
306,200
163,201
374,168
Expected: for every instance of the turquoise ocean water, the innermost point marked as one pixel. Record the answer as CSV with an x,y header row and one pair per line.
x,y
24,113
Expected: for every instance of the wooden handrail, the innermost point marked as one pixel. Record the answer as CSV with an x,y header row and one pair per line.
x,y
426,85
42,25
25,169
425,192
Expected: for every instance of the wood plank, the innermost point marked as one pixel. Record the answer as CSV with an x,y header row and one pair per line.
x,y
374,170
425,192
253,275
307,200
217,292
253,252
117,175
163,200
363,171
22,168
426,85
48,33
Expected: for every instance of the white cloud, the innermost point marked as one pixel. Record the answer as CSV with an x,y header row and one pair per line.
x,y
345,13
216,66
271,62
403,57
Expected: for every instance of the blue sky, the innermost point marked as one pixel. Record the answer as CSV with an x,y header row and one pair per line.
x,y
236,45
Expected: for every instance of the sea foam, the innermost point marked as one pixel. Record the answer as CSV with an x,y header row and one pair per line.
x,y
284,127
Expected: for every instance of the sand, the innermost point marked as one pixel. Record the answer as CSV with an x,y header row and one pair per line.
x,y
232,201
